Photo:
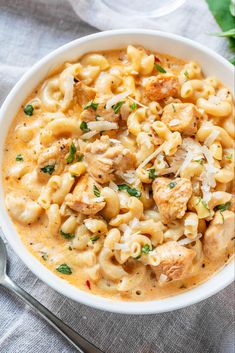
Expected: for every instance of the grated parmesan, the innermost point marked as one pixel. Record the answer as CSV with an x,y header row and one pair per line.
x,y
89,135
163,278
174,122
211,138
117,98
140,104
102,125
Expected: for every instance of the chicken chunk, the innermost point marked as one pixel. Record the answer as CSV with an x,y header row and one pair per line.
x,y
161,86
175,261
84,93
53,159
83,198
181,117
106,158
218,238
101,113
171,197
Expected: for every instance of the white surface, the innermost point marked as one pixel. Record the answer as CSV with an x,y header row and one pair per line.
x,y
211,63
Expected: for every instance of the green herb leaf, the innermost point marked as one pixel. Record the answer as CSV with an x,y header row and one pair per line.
x,y
220,10
200,161
44,256
84,127
116,107
186,74
50,168
228,34
232,61
159,68
67,235
229,156
28,109
172,184
131,191
133,106
19,158
223,207
146,249
96,191
92,105
80,157
232,8
204,203
173,106
72,152
65,269
94,238
152,173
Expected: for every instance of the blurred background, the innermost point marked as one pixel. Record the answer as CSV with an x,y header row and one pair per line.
x,y
30,29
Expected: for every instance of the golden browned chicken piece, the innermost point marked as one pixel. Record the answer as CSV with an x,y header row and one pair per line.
x,y
106,158
161,86
53,159
182,117
175,261
84,93
84,199
219,236
171,197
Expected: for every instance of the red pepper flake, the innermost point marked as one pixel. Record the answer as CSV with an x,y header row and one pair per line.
x,y
88,283
157,60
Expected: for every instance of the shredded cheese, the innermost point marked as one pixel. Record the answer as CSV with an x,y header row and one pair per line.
x,y
102,125
140,104
211,138
154,154
174,122
117,98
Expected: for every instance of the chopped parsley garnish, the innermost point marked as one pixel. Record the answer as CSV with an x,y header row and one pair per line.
x,y
66,235
28,110
96,191
173,108
116,107
152,173
131,191
203,202
50,168
44,256
200,161
19,158
223,207
80,157
92,105
72,152
186,74
159,68
229,156
133,106
94,238
172,184
65,269
84,127
146,249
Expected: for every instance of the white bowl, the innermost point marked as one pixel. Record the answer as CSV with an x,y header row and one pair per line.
x,y
212,64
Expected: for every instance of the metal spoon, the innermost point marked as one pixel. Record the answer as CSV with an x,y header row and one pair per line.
x,y
80,343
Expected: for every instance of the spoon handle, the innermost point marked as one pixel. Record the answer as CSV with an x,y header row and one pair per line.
x,y
80,343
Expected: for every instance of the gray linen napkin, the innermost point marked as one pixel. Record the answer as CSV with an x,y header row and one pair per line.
x,y
29,30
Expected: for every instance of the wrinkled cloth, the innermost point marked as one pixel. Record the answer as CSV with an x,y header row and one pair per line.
x,y
28,31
